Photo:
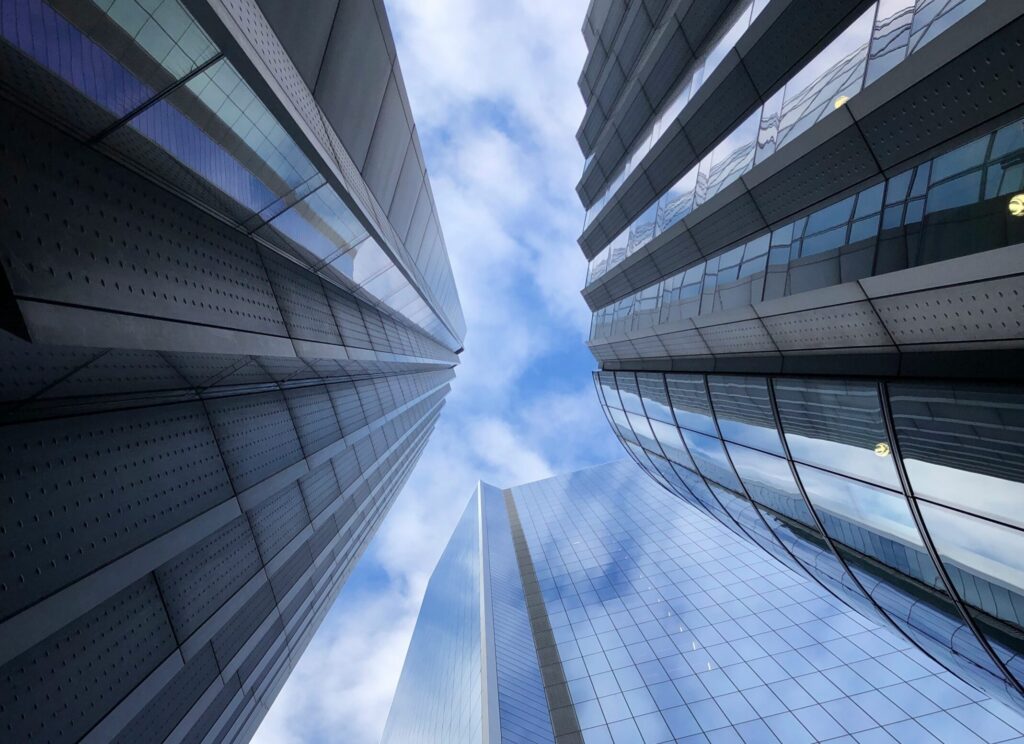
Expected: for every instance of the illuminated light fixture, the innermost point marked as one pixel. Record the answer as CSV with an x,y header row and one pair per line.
x,y
841,101
882,449
1017,205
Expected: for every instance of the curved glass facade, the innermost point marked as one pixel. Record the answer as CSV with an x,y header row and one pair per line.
x,y
897,497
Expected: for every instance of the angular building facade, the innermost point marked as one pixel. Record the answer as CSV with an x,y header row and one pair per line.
x,y
229,326
805,224
597,607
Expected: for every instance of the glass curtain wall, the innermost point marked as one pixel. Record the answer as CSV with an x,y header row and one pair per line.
x,y
894,496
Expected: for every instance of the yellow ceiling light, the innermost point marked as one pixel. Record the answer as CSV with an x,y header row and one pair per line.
x,y
882,449
1017,205
841,101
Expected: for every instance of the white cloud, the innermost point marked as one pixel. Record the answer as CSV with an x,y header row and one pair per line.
x,y
493,91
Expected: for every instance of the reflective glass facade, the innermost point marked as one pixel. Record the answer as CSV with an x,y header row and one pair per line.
x,y
653,623
862,484
439,694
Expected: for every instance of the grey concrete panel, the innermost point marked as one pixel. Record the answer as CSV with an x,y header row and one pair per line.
x,y
355,75
303,34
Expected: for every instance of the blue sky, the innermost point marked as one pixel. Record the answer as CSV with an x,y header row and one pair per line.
x,y
493,91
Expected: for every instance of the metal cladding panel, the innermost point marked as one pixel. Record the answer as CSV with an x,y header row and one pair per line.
x,y
83,491
847,326
303,35
354,76
981,83
349,410
313,417
319,488
102,656
407,193
729,96
256,436
156,721
799,30
140,250
842,161
196,584
300,295
388,147
237,631
208,719
277,520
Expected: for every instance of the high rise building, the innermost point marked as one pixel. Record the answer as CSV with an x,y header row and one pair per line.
x,y
598,607
229,325
805,224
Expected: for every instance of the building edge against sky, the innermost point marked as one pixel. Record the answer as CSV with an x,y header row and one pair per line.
x,y
229,327
804,228
598,607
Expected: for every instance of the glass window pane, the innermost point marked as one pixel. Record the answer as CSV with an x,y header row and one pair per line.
x,y
837,425
963,446
655,397
629,392
769,481
744,411
690,402
872,521
984,559
709,455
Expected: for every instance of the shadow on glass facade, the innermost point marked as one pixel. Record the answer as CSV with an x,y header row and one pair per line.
x,y
894,496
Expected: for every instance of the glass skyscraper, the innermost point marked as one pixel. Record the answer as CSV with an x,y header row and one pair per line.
x,y
805,224
228,327
599,607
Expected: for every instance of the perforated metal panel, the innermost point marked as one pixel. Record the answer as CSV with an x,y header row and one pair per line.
x,y
313,417
242,625
277,520
838,327
286,576
255,435
196,584
303,303
174,700
319,488
208,719
82,491
101,657
347,407
983,311
104,237
980,84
